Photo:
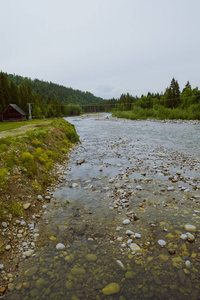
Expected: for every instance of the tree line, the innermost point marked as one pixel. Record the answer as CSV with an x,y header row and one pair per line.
x,y
48,99
173,103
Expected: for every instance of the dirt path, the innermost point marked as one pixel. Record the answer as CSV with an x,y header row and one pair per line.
x,y
18,131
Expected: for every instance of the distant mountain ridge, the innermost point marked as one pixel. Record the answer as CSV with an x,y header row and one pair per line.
x,y
56,91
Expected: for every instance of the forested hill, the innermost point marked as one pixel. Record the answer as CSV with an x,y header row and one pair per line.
x,y
55,91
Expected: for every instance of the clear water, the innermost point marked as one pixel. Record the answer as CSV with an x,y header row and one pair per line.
x,y
143,157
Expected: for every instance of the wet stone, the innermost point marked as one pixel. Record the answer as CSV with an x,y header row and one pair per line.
x,y
110,289
31,271
91,257
40,283
126,222
189,227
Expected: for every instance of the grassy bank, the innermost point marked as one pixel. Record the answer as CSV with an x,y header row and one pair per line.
x,y
27,158
160,113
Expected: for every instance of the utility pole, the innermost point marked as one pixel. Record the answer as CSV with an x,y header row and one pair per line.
x,y
29,108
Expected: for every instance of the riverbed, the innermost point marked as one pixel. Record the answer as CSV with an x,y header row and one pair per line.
x,y
124,222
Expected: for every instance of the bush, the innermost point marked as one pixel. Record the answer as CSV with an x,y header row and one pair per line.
x,y
36,143
27,157
3,180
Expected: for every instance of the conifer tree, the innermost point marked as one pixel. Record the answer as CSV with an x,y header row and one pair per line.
x,y
173,94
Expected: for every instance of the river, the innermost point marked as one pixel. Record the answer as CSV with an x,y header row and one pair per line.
x,y
126,216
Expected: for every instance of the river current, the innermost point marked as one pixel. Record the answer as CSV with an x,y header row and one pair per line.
x,y
127,216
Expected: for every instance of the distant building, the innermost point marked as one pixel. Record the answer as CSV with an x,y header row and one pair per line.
x,y
13,113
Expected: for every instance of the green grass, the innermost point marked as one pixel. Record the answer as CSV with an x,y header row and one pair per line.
x,y
160,113
26,160
7,126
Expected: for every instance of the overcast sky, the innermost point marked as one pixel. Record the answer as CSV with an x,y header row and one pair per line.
x,y
106,47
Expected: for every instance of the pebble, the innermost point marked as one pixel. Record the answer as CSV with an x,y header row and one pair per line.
x,y
110,289
188,264
134,247
1,266
126,222
26,205
28,253
60,246
39,197
4,224
162,243
138,236
129,232
183,237
120,264
22,223
75,185
190,227
190,237
8,247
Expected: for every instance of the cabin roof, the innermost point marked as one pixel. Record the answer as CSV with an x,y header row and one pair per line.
x,y
17,108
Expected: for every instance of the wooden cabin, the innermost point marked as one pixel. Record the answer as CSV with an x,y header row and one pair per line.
x,y
13,113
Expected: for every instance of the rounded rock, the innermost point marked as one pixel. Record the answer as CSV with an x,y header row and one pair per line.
x,y
162,243
110,289
126,222
190,227
188,264
60,246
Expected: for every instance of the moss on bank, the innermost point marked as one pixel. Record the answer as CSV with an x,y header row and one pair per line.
x,y
27,161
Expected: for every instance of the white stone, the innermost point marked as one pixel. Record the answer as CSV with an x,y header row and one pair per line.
x,y
126,222
60,246
39,197
190,237
4,224
183,236
1,266
117,185
118,228
26,205
129,241
138,187
8,247
138,236
170,188
28,253
134,247
22,223
129,232
190,227
162,243
188,264
74,185
120,239
120,264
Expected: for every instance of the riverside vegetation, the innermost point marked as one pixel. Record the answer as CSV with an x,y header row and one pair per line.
x,y
27,160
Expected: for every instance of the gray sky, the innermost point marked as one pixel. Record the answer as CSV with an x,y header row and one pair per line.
x,y
106,47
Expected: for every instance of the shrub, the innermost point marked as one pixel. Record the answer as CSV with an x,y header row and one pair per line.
x,y
41,155
16,209
64,150
3,180
27,157
3,147
36,143
49,165
36,186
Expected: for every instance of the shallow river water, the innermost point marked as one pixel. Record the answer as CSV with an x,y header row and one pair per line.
x,y
127,215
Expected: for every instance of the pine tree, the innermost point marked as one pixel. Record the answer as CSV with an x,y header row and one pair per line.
x,y
5,92
173,99
14,93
